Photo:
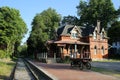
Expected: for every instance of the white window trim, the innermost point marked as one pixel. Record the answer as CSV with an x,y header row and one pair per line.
x,y
95,50
74,34
102,35
102,50
95,35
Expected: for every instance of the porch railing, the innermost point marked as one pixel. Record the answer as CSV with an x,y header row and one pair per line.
x,y
42,55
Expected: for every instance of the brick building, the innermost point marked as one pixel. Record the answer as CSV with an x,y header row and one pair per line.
x,y
79,42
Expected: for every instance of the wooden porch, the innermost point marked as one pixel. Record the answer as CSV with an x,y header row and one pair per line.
x,y
73,49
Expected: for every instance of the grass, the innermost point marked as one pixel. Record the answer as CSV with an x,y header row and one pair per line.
x,y
106,71
107,60
6,67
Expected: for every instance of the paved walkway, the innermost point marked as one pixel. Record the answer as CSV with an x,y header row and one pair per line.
x,y
64,72
115,66
21,72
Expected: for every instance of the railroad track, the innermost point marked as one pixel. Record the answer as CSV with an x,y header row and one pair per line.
x,y
38,74
26,70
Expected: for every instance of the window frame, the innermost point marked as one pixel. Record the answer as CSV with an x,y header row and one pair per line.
x,y
102,50
95,34
74,34
95,49
102,35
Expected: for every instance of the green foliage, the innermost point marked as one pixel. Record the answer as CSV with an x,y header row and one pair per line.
x,y
2,54
106,71
115,57
70,20
65,60
114,32
94,10
43,28
12,29
22,51
5,69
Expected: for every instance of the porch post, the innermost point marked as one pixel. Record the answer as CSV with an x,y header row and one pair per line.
x,y
46,55
43,54
81,56
75,52
54,55
61,52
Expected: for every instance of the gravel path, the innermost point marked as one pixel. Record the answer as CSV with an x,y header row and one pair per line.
x,y
21,72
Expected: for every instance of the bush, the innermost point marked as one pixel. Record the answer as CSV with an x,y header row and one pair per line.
x,y
114,56
65,60
59,60
2,54
5,69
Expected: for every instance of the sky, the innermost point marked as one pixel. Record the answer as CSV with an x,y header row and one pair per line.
x,y
29,8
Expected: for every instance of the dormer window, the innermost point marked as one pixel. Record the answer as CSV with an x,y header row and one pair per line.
x,y
102,35
74,34
95,35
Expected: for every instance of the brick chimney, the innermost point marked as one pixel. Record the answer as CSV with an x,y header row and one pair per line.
x,y
98,26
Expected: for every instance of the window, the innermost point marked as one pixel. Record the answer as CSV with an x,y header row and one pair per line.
x,y
102,35
118,44
102,50
74,34
113,44
95,35
95,50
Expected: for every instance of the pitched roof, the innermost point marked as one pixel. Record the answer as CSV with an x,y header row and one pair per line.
x,y
85,31
64,30
72,42
67,42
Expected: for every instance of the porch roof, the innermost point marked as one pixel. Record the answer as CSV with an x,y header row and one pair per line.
x,y
68,42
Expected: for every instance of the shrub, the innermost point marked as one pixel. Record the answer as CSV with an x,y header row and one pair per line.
x,y
2,54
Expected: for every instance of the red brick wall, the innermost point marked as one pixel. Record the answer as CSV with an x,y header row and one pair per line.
x,y
65,37
93,42
98,43
68,38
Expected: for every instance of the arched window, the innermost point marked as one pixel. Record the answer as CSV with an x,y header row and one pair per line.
x,y
102,50
95,50
102,35
95,35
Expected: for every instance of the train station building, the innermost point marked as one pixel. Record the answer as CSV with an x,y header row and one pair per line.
x,y
79,42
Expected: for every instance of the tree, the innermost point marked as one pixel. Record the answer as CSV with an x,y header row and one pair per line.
x,y
12,29
22,50
114,32
70,20
43,27
94,10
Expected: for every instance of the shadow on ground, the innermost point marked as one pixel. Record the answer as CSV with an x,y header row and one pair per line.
x,y
4,77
